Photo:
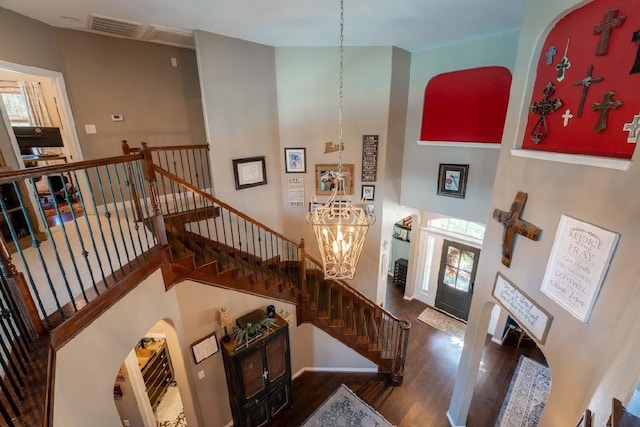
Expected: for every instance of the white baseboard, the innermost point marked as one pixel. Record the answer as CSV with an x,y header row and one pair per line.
x,y
496,340
451,423
320,369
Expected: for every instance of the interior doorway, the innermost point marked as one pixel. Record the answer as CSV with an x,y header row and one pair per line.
x,y
458,266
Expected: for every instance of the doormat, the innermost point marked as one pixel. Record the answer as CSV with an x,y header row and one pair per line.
x,y
344,408
527,395
443,322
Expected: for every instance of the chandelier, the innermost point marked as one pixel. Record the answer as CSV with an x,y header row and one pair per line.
x,y
340,226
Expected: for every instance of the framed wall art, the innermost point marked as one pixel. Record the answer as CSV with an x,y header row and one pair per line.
x,y
295,160
327,178
452,180
205,347
249,172
368,192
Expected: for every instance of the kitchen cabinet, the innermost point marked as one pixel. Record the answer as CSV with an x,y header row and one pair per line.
x,y
259,376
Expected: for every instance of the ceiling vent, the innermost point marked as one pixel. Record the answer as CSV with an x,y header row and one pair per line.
x,y
113,26
170,36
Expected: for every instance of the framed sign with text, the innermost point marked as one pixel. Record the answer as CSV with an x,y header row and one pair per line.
x,y
369,158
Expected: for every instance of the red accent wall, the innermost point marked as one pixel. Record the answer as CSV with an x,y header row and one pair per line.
x,y
466,105
579,137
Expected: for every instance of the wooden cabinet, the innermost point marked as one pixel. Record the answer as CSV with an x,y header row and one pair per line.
x,y
400,272
157,372
259,376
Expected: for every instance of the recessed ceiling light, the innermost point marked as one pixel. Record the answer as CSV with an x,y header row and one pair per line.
x,y
69,18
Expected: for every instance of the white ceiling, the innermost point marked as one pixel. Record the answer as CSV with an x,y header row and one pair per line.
x,y
410,24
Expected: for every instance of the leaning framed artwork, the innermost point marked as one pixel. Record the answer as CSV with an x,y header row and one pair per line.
x,y
295,160
452,180
249,172
327,178
368,192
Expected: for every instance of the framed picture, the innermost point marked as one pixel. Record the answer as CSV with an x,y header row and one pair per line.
x,y
205,347
369,208
327,178
368,192
313,206
295,160
249,172
452,180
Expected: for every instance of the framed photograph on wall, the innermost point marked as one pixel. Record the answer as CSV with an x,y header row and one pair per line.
x,y
249,172
205,347
295,160
327,178
368,192
452,180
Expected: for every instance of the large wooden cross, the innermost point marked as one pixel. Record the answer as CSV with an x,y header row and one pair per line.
x,y
514,225
611,21
605,107
635,38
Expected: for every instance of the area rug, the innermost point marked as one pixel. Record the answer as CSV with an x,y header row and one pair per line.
x,y
443,322
170,412
63,207
527,395
344,409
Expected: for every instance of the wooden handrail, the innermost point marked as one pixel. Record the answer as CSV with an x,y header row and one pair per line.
x,y
11,176
220,203
172,147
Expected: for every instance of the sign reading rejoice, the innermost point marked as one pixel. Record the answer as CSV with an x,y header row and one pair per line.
x,y
577,265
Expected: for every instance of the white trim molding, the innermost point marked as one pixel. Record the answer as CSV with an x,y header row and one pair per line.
x,y
451,423
575,159
453,144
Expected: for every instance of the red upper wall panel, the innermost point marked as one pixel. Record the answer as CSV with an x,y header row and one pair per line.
x,y
575,34
466,105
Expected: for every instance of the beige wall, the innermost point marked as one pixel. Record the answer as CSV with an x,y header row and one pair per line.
x,y
590,362
107,75
238,80
308,116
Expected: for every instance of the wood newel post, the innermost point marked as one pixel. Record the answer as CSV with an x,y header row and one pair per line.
x,y
302,268
22,301
150,177
125,147
126,150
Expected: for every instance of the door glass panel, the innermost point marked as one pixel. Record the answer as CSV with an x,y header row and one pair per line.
x,y
466,261
450,277
453,256
252,370
463,281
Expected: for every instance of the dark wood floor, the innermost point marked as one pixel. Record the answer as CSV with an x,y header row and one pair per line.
x,y
424,397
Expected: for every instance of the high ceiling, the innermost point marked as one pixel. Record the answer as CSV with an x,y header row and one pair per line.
x,y
410,24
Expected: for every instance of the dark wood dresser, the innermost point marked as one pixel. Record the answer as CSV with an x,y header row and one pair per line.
x,y
259,376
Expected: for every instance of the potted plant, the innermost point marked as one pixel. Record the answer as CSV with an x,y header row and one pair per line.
x,y
253,330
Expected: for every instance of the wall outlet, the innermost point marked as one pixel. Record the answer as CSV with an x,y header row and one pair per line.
x,y
174,62
90,129
200,374
125,423
117,117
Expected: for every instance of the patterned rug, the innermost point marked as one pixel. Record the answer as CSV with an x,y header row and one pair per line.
x,y
527,395
441,321
170,412
344,408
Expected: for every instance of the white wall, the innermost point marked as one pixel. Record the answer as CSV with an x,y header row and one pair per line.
x,y
590,362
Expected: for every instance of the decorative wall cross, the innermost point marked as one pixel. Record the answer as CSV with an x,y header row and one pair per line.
x,y
633,128
543,107
611,21
550,54
514,225
586,83
564,64
566,116
636,65
605,107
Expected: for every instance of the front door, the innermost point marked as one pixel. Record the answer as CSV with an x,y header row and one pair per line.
x,y
456,278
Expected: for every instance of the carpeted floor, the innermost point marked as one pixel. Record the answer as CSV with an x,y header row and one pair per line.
x,y
443,322
527,395
344,408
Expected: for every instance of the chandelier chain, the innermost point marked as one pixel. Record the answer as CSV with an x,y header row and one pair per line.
x,y
341,85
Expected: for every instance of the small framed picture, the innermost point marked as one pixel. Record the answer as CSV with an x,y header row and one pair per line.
x,y
368,192
369,208
295,160
249,172
205,347
313,206
452,180
327,178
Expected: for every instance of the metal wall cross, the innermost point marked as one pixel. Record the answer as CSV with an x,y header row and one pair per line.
x,y
634,129
550,54
636,65
543,107
605,107
611,21
514,225
586,83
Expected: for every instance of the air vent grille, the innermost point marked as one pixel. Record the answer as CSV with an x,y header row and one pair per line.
x,y
169,36
114,26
